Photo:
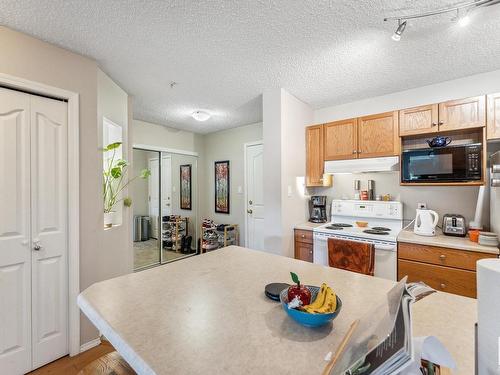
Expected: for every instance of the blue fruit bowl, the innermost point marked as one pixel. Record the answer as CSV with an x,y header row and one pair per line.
x,y
307,319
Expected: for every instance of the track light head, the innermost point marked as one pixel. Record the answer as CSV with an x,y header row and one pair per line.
x,y
399,31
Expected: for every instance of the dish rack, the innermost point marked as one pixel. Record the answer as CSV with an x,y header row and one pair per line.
x,y
214,236
172,231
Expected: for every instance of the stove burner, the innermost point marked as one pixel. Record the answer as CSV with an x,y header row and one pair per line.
x,y
373,231
383,229
334,227
341,225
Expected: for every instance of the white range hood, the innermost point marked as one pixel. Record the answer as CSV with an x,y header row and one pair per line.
x,y
385,164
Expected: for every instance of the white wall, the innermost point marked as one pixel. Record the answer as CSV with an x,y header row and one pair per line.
x,y
478,84
29,58
228,145
271,116
447,199
285,204
162,136
295,115
117,256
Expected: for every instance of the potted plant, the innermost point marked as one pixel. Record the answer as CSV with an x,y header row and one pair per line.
x,y
114,181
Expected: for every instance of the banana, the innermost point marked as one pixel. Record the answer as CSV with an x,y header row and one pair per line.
x,y
329,303
320,298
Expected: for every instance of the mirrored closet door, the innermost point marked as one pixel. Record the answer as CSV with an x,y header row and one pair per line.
x,y
165,207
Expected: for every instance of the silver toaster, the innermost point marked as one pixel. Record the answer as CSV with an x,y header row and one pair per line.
x,y
454,225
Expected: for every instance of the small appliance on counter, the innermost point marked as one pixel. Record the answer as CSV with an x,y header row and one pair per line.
x,y
425,222
317,209
454,225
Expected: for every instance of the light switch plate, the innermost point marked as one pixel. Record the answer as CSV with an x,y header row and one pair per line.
x,y
289,191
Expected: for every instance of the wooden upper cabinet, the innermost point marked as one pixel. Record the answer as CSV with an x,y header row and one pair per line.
x,y
462,114
493,131
314,155
341,139
378,135
418,120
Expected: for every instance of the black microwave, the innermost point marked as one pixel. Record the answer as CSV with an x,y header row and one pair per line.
x,y
458,163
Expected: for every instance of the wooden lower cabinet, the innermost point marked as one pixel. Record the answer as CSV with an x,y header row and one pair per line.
x,y
444,279
304,245
444,269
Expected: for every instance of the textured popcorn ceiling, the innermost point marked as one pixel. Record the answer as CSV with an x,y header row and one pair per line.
x,y
224,54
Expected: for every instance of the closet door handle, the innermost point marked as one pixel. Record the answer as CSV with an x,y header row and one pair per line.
x,y
36,245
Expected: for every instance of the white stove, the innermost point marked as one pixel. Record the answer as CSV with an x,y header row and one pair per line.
x,y
385,221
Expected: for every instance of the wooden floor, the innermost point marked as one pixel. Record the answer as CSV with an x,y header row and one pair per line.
x,y
72,365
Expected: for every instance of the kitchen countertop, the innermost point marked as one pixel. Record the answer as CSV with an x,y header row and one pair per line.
x,y
208,314
440,240
308,225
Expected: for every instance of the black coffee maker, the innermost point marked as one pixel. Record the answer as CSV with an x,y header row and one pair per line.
x,y
317,209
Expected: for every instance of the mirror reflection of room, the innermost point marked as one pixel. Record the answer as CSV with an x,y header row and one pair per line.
x,y
146,208
165,208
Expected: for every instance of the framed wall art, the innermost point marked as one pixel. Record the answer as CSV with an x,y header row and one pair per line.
x,y
222,187
185,182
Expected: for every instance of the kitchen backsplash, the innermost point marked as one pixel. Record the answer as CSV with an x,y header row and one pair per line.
x,y
442,199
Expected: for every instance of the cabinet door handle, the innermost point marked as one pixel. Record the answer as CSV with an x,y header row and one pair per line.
x,y
359,151
354,151
310,251
441,122
434,124
249,212
442,257
303,235
443,286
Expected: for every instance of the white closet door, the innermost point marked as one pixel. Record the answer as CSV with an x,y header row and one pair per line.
x,y
15,253
49,229
154,195
166,185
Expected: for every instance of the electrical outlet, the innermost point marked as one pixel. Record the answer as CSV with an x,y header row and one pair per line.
x,y
422,206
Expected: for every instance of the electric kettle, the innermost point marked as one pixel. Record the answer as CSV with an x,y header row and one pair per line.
x,y
425,222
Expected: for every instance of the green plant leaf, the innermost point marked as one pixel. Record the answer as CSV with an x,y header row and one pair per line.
x,y
295,278
122,163
145,173
127,202
116,172
112,146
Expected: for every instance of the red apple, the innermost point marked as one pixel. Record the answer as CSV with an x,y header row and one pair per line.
x,y
300,291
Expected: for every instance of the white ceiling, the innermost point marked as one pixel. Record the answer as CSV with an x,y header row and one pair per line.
x,y
224,54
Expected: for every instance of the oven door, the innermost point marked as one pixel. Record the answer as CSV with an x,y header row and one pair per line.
x,y
445,164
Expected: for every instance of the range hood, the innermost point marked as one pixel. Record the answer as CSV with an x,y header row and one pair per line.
x,y
385,164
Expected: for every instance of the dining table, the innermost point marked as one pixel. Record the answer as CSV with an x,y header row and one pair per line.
x,y
208,314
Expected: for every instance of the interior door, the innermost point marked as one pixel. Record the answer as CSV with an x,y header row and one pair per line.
x,y
255,196
166,184
154,195
15,253
341,140
49,229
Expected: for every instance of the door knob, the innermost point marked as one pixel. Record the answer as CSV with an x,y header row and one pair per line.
x,y
37,246
249,211
250,202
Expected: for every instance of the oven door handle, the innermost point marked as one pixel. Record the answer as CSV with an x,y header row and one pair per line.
x,y
386,247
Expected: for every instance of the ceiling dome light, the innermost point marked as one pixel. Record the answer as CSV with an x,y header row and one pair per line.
x,y
200,115
399,31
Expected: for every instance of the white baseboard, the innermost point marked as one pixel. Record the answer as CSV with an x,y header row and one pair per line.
x,y
90,345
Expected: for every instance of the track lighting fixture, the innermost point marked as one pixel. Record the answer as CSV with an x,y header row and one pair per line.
x,y
463,12
399,31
